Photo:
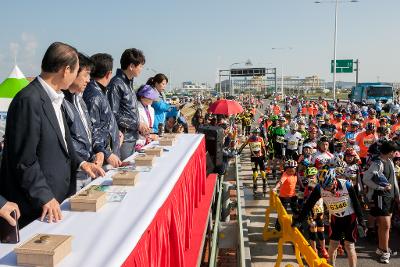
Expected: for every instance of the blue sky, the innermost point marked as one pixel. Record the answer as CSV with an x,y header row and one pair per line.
x,y
190,40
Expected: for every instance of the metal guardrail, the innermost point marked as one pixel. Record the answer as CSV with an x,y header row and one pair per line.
x,y
214,239
215,236
241,254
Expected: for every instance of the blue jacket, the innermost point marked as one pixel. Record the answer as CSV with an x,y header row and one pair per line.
x,y
105,129
161,109
124,105
80,137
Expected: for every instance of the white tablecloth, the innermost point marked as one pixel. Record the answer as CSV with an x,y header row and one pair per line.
x,y
107,237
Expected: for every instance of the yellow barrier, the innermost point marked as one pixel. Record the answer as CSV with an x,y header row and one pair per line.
x,y
290,234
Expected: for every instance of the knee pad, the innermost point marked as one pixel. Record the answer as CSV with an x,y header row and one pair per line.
x,y
255,175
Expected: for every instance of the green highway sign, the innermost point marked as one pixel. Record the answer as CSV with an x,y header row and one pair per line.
x,y
343,66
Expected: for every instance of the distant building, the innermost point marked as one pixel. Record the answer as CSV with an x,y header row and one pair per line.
x,y
194,88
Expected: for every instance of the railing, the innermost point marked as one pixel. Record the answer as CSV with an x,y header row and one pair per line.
x,y
214,239
241,254
290,234
215,236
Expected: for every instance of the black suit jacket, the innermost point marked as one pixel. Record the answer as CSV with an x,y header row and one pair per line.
x,y
36,165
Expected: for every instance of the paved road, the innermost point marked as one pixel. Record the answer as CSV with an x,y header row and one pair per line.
x,y
264,253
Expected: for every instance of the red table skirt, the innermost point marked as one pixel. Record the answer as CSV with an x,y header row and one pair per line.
x,y
168,237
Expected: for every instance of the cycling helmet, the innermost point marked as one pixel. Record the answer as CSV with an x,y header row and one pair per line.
x,y
274,118
338,115
301,121
323,139
290,164
256,130
282,119
293,126
355,123
309,145
370,126
350,152
328,178
311,171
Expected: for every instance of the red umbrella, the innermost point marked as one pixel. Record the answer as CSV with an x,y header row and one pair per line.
x,y
225,107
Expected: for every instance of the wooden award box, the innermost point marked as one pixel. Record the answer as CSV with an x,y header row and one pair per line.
x,y
144,160
125,178
165,141
154,151
44,250
90,199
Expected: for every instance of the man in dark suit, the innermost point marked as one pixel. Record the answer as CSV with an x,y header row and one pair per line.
x,y
39,161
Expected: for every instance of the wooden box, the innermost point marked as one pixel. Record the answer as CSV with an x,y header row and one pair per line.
x,y
88,200
154,151
166,141
125,178
44,250
144,160
171,135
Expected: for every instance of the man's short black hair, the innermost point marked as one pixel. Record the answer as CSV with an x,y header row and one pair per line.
x,y
59,55
132,56
388,147
85,62
103,63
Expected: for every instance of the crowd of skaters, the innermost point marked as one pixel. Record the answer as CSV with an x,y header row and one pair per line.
x,y
339,166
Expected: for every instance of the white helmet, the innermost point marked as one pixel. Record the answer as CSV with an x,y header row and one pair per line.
x,y
293,126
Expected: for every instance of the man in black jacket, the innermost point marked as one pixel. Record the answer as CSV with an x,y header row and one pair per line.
x,y
123,100
39,161
106,136
78,120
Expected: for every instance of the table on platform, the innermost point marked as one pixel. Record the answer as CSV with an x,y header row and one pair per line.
x,y
154,225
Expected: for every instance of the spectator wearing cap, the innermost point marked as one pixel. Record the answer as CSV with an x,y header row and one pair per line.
x,y
146,95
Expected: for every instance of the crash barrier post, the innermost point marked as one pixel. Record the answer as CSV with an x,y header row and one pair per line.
x,y
287,233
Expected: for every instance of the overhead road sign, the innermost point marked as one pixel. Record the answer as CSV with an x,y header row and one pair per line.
x,y
343,66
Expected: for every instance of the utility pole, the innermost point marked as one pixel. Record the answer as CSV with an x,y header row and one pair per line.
x,y
357,62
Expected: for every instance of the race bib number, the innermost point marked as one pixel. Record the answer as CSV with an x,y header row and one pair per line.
x,y
368,142
280,139
292,143
255,147
337,207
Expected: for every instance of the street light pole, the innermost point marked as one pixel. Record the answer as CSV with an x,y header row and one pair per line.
x,y
334,51
335,39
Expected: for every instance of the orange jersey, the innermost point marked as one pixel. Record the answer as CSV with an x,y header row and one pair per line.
x,y
364,141
276,109
395,127
339,135
304,110
288,185
257,145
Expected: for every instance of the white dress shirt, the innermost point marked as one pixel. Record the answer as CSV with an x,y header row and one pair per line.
x,y
56,100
